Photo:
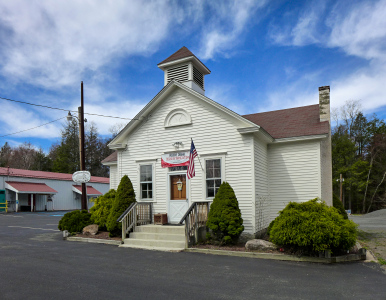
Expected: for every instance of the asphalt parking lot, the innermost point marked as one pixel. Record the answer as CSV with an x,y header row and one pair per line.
x,y
372,232
36,263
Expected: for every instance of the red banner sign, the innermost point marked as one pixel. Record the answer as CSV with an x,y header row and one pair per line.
x,y
175,159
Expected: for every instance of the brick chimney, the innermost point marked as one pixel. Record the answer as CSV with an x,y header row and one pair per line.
x,y
324,103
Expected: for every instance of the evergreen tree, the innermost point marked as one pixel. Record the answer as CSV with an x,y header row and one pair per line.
x,y
124,197
224,216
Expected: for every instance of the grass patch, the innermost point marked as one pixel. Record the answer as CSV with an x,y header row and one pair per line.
x,y
381,260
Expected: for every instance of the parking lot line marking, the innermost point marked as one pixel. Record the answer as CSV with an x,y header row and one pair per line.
x,y
13,216
34,228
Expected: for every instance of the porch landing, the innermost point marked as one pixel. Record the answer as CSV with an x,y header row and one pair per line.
x,y
157,237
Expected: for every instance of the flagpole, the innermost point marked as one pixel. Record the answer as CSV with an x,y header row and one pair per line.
x,y
191,139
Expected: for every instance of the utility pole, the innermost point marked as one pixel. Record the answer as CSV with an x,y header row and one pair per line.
x,y
82,156
341,187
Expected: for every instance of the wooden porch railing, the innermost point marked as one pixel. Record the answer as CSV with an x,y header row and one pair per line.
x,y
195,218
135,214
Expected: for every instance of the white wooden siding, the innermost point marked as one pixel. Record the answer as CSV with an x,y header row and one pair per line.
x,y
294,173
212,131
114,177
262,199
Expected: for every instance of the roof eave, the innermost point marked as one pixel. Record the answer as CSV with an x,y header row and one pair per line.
x,y
199,64
301,138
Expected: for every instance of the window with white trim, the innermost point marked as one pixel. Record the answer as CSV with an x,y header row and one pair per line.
x,y
213,176
146,181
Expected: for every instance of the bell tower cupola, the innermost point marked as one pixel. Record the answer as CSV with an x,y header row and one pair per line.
x,y
184,67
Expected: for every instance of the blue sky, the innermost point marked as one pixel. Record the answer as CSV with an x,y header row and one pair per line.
x,y
264,55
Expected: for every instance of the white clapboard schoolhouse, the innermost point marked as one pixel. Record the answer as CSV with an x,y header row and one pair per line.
x,y
268,158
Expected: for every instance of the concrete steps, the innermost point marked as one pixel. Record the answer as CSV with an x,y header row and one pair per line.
x,y
157,237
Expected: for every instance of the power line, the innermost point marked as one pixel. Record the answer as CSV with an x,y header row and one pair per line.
x,y
33,127
62,109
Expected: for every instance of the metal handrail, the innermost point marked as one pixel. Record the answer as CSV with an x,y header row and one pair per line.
x,y
125,212
195,218
135,214
187,212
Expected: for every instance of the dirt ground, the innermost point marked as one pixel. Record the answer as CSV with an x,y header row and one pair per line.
x,y
372,233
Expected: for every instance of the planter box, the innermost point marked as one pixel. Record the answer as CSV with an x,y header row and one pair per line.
x,y
160,219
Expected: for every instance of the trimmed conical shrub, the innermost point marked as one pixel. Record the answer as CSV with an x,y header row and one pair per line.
x,y
224,217
124,196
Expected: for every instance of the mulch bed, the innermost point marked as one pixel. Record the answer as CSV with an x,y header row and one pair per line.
x,y
288,251
103,235
238,247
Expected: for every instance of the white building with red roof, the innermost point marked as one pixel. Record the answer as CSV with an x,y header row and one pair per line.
x,y
268,158
27,190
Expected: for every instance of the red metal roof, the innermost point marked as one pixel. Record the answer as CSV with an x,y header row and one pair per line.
x,y
292,122
90,190
46,175
32,187
111,158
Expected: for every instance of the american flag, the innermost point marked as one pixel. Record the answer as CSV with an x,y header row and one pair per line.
x,y
192,155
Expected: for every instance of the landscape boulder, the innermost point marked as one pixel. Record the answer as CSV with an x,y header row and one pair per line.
x,y
91,229
257,244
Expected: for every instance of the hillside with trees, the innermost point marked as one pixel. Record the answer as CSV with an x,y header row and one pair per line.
x,y
359,154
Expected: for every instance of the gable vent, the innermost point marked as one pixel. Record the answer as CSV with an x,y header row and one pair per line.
x,y
198,77
179,73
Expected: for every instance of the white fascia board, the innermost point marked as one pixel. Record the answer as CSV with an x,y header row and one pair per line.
x,y
10,187
215,104
110,163
139,117
257,129
301,138
117,146
246,130
118,140
199,64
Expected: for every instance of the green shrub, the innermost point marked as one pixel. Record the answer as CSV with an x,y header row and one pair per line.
x,y
75,221
124,196
339,206
101,209
312,226
224,217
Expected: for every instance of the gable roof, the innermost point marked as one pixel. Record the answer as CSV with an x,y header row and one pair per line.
x,y
181,53
111,158
32,187
116,143
292,122
91,191
46,175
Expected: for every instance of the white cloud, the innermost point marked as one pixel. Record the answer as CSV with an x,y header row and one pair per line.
x,y
304,32
357,30
53,43
360,32
226,23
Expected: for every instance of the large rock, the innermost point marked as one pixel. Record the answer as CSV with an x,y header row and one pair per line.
x,y
260,245
91,229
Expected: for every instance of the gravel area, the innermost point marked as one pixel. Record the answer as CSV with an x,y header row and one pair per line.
x,y
372,233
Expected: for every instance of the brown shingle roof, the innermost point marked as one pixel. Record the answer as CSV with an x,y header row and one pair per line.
x,y
182,53
111,158
298,121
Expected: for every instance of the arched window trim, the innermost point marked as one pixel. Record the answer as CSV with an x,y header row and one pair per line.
x,y
187,121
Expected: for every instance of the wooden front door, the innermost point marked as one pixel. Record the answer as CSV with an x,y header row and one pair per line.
x,y
178,203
